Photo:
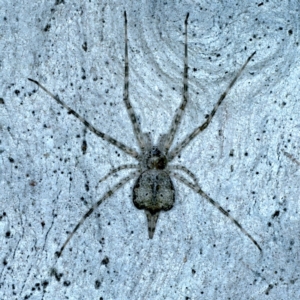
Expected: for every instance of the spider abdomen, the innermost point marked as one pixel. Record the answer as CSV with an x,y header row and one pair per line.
x,y
154,191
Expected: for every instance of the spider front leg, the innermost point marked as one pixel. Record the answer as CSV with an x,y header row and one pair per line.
x,y
131,113
198,190
94,130
179,113
191,136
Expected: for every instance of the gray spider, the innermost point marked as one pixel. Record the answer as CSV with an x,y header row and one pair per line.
x,y
153,190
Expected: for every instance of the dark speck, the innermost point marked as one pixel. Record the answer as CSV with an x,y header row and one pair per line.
x,y
84,146
105,261
47,27
276,214
67,283
97,284
84,46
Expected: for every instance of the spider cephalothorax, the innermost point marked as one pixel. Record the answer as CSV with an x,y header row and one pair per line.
x,y
153,190
155,159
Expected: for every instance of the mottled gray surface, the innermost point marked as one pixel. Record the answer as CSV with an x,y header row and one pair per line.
x,y
76,49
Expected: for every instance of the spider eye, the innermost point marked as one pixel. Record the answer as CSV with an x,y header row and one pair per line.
x,y
156,152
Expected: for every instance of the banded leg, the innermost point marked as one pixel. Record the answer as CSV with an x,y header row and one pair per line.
x,y
104,136
187,140
293,159
94,207
186,170
131,113
179,112
198,190
115,170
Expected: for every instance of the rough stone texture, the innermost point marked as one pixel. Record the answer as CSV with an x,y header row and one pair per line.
x,y
76,49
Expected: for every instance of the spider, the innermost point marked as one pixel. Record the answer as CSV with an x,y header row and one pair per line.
x,y
153,190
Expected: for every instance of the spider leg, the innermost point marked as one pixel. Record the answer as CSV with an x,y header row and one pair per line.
x,y
131,113
115,170
104,136
179,112
198,190
293,159
186,170
187,140
94,207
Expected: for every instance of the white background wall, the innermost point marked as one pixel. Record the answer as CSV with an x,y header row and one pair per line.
x,y
76,49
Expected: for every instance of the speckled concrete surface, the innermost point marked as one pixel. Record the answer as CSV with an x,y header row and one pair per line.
x,y
248,159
